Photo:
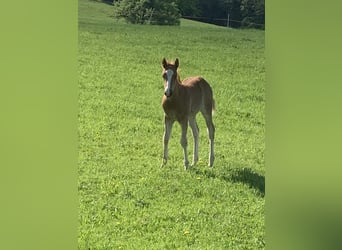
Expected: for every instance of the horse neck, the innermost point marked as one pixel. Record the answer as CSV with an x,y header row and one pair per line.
x,y
178,84
178,80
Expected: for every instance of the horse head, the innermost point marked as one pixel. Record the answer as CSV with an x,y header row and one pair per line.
x,y
170,76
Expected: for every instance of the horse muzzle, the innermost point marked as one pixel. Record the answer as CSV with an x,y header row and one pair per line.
x,y
168,94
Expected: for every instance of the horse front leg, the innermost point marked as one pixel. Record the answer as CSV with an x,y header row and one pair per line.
x,y
168,128
184,142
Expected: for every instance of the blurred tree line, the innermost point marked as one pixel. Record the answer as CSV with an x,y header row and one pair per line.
x,y
240,13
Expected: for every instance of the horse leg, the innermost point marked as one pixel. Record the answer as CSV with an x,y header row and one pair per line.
x,y
184,142
194,128
168,128
211,133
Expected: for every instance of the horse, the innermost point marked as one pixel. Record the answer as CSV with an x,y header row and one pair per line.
x,y
182,100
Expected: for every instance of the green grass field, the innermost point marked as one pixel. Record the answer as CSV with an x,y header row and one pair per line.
x,y
126,201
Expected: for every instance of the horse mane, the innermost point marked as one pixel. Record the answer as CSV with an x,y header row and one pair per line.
x,y
178,77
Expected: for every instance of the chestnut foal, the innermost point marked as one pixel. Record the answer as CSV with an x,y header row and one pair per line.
x,y
181,102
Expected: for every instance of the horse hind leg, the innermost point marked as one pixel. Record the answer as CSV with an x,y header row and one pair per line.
x,y
195,132
211,132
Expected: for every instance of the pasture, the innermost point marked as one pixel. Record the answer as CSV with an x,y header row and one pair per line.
x,y
126,200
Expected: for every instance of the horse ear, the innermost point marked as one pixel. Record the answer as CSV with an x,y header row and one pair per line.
x,y
177,63
164,63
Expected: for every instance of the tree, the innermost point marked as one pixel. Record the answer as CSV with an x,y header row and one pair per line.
x,y
233,10
165,13
148,12
188,7
253,13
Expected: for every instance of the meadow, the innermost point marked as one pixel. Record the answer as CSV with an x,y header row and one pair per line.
x,y
126,200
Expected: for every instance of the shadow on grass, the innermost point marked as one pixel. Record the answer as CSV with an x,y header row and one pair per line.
x,y
250,178
246,176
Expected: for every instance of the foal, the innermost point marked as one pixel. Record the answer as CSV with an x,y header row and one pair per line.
x,y
181,102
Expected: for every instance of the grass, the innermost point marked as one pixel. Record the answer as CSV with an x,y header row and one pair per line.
x,y
126,200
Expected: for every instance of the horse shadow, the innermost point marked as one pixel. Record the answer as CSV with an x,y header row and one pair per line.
x,y
244,175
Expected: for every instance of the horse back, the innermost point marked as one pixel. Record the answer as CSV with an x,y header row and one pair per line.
x,y
197,85
199,92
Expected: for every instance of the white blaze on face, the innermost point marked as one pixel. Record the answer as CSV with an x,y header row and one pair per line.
x,y
169,74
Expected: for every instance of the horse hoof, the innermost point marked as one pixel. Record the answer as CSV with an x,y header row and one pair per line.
x,y
163,163
186,165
